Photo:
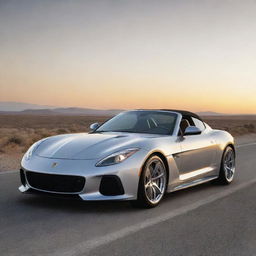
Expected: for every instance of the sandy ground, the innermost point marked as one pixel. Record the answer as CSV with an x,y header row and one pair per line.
x,y
247,138
12,161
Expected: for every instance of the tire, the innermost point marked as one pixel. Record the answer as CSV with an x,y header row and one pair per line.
x,y
227,168
152,183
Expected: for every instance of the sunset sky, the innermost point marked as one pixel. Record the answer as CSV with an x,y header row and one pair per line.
x,y
195,55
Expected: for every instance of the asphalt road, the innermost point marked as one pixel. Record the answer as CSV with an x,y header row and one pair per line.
x,y
204,220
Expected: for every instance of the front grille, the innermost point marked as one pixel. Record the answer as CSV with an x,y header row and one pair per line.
x,y
55,183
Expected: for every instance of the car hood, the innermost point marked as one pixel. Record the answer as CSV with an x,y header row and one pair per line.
x,y
88,146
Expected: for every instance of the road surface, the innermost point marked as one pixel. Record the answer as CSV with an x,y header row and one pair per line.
x,y
204,220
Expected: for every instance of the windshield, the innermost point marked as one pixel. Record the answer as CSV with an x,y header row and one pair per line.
x,y
154,122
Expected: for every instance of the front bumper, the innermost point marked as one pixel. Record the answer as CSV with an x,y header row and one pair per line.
x,y
126,175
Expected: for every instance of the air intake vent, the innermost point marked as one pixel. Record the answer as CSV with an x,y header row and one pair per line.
x,y
111,185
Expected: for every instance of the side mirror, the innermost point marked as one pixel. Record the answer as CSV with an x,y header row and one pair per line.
x,y
192,130
94,126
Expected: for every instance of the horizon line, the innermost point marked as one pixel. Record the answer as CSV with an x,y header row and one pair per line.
x,y
52,107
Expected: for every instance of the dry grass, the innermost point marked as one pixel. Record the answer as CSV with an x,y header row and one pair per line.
x,y
236,125
18,132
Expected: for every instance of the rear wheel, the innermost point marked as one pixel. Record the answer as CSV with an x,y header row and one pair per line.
x,y
152,184
227,169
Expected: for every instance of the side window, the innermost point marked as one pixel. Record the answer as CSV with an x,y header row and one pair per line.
x,y
198,123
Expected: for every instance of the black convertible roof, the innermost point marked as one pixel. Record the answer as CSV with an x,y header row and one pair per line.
x,y
182,112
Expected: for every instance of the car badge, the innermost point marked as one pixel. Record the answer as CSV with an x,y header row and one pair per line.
x,y
54,165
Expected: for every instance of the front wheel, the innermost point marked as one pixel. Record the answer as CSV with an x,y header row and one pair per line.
x,y
152,184
227,169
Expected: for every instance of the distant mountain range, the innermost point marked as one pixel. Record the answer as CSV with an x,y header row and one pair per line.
x,y
21,106
210,113
34,109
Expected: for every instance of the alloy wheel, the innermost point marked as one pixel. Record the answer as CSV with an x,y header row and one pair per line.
x,y
229,164
155,181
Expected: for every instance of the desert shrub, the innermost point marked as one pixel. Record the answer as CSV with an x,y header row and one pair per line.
x,y
226,129
45,135
35,138
62,131
250,127
15,139
75,129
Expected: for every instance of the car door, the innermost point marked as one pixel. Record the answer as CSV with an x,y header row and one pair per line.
x,y
197,152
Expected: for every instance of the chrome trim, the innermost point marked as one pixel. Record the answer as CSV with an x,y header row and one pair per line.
x,y
195,173
194,183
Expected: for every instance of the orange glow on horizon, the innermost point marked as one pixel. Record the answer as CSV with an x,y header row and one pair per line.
x,y
163,54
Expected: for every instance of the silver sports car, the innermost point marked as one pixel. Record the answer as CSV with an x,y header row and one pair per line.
x,y
138,155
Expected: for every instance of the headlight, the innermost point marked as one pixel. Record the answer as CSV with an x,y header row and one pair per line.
x,y
32,149
117,157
